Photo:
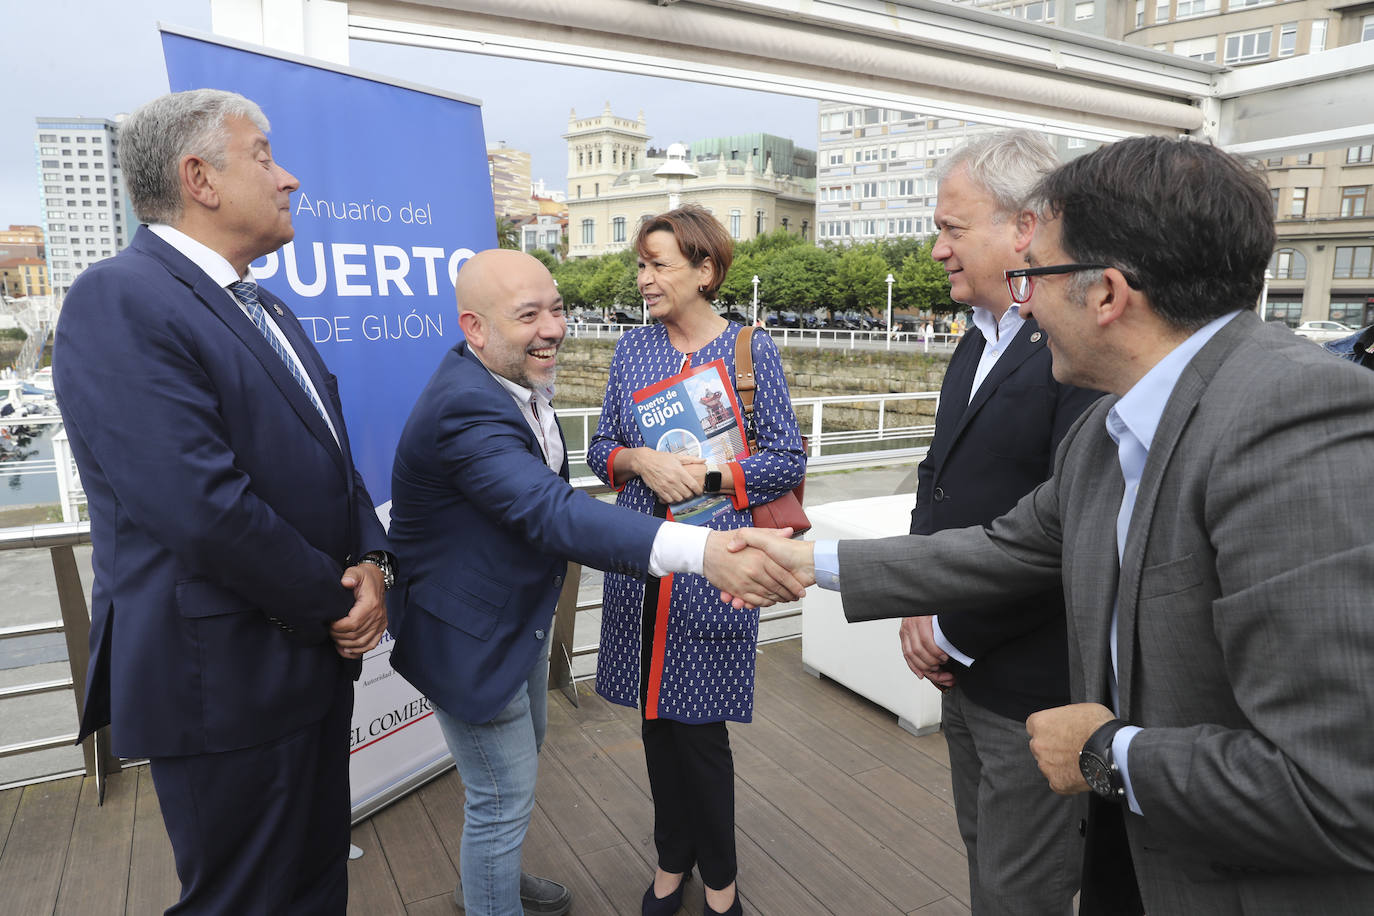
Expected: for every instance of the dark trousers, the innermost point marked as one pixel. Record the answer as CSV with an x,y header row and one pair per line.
x,y
263,829
1109,883
692,777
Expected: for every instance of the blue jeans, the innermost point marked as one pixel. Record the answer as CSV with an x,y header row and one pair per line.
x,y
498,762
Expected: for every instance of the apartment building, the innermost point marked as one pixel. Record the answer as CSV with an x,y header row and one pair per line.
x,y
86,213
1323,267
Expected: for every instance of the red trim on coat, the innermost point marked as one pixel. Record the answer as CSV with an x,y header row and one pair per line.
x,y
610,469
660,648
738,497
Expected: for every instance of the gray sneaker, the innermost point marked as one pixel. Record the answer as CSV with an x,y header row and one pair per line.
x,y
538,896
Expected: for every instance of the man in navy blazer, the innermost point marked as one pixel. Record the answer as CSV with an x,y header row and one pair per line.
x,y
1001,418
484,521
239,563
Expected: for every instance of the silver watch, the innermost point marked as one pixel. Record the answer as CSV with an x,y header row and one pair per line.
x,y
380,560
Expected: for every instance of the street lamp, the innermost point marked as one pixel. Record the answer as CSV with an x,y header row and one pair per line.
x,y
889,311
756,299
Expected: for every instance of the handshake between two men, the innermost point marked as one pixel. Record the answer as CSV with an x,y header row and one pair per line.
x,y
757,567
787,566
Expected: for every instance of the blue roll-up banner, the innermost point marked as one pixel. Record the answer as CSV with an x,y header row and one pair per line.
x,y
394,196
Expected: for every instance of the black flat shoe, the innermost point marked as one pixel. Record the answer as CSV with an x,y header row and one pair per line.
x,y
664,906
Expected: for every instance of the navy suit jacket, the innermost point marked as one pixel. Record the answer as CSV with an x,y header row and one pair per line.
x,y
986,454
482,530
223,512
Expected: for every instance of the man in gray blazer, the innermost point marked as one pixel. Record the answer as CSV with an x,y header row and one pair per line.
x,y
1217,562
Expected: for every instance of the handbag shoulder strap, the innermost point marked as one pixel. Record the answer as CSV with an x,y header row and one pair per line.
x,y
744,382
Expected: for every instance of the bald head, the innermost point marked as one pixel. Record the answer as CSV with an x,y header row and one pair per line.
x,y
511,314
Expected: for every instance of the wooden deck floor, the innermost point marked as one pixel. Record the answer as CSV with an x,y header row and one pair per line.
x,y
839,811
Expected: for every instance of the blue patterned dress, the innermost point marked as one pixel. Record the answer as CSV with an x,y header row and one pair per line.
x,y
701,665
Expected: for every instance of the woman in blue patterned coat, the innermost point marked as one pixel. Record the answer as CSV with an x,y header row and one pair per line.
x,y
670,646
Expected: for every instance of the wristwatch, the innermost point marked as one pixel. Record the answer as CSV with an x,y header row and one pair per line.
x,y
712,484
1097,765
382,560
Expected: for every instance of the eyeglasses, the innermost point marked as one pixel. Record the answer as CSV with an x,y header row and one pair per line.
x,y
1022,282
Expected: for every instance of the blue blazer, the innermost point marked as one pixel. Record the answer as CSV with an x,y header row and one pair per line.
x,y
223,512
482,532
987,453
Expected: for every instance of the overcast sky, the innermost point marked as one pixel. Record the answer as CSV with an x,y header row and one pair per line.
x,y
95,58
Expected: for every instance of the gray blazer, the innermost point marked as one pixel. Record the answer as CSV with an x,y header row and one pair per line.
x,y
1246,621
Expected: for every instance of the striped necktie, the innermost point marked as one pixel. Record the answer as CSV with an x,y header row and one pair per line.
x,y
247,293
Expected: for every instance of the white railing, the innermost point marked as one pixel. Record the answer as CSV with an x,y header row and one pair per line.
x,y
827,448
818,338
880,441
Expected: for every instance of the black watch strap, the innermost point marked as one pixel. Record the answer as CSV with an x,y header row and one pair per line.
x,y
1098,765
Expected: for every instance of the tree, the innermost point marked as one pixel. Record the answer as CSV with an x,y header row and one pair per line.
x,y
613,284
922,284
573,276
738,289
507,233
797,278
545,258
769,243
860,280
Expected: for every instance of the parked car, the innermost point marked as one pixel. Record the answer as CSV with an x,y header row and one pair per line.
x,y
736,316
1322,331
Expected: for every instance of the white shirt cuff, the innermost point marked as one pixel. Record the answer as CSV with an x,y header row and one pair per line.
x,y
678,548
1121,747
827,561
949,647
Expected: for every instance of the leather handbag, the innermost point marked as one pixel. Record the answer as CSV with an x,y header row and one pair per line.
x,y
786,511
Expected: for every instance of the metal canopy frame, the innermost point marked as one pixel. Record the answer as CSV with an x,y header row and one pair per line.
x,y
945,59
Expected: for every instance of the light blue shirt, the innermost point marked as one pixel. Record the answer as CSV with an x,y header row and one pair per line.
x,y
1131,423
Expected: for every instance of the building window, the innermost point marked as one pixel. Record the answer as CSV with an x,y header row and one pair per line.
x,y
1248,46
1189,8
1288,264
1288,39
1274,201
1354,200
736,223
1360,153
1317,41
618,229
588,232
1139,13
1083,11
1297,206
1162,11
758,222
1367,29
1234,5
1287,311
1353,262
1353,312
1198,48
1303,159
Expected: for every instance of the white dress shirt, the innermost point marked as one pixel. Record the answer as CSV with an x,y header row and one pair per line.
x,y
677,548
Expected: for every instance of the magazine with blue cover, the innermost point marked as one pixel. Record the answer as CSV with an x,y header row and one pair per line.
x,y
694,413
